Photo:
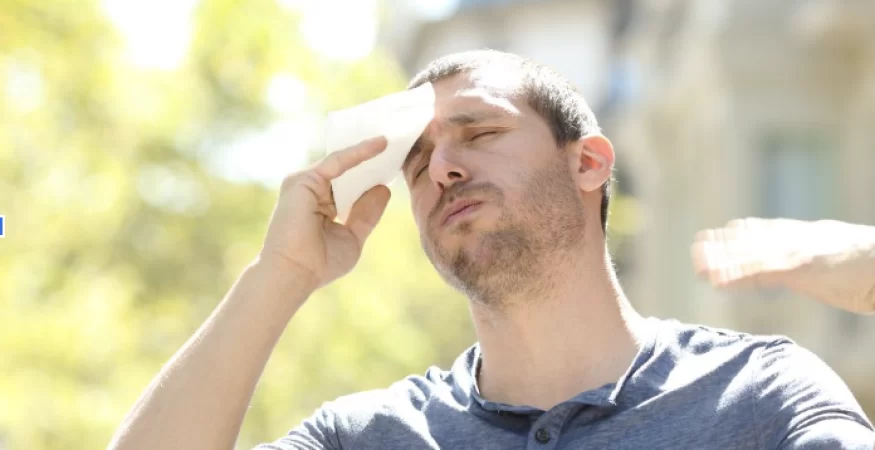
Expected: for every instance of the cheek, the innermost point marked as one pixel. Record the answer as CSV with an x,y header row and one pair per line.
x,y
421,204
518,203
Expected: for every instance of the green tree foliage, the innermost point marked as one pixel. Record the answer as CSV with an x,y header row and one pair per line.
x,y
120,241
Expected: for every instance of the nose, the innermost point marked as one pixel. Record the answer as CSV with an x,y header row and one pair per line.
x,y
445,168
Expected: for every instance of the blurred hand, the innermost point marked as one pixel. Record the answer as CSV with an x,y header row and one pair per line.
x,y
833,262
303,236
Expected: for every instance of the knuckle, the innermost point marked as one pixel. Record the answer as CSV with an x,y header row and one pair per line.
x,y
738,223
307,178
311,176
339,158
290,180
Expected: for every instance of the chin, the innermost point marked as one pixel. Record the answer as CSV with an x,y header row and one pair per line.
x,y
471,243
479,253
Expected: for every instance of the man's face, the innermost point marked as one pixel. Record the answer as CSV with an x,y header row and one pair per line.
x,y
492,195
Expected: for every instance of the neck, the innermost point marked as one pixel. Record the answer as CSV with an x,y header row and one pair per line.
x,y
579,334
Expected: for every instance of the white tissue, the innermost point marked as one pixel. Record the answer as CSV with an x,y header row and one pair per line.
x,y
400,117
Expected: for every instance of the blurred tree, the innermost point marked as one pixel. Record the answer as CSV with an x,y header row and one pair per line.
x,y
120,240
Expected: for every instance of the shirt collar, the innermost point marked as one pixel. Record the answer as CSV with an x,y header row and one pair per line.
x,y
465,368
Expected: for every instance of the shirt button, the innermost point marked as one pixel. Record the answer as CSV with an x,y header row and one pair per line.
x,y
542,436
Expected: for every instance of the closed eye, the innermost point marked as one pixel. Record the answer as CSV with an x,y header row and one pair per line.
x,y
420,171
484,134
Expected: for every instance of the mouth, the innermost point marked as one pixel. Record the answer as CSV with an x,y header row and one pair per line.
x,y
459,210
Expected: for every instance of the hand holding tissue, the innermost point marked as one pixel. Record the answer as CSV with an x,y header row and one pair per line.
x,y
400,117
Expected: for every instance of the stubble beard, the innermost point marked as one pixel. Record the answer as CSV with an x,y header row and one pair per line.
x,y
516,259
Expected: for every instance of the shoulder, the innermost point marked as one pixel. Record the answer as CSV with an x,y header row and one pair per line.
x,y
790,390
801,399
340,423
412,392
697,339
404,401
694,350
690,356
767,360
773,361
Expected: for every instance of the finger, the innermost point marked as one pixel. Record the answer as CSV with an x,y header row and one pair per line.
x,y
709,249
737,252
718,235
698,253
727,279
735,224
327,209
335,164
748,223
318,187
367,211
727,269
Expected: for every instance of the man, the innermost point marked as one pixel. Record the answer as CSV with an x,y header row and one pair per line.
x,y
827,260
508,190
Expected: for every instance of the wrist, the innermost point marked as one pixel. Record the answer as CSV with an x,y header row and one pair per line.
x,y
840,268
280,283
285,272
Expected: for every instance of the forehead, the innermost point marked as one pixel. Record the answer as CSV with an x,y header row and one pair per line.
x,y
480,98
486,90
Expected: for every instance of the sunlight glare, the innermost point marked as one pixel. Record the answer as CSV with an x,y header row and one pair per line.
x,y
157,32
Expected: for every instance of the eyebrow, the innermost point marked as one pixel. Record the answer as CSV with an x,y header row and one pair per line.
x,y
471,118
459,120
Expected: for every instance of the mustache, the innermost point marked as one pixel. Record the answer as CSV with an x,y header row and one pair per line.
x,y
462,190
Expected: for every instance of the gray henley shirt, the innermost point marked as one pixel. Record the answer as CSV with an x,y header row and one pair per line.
x,y
689,387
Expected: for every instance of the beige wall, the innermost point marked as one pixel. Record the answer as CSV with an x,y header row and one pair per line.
x,y
551,32
724,89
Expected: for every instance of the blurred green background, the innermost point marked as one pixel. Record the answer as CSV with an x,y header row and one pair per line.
x,y
125,227
137,175
121,239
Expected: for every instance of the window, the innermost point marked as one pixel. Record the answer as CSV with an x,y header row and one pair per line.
x,y
797,178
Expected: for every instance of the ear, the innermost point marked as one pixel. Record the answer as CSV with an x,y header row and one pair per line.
x,y
592,161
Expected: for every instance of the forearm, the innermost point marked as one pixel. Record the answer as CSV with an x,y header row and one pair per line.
x,y
844,278
199,398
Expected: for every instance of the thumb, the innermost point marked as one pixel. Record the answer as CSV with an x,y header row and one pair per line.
x,y
367,211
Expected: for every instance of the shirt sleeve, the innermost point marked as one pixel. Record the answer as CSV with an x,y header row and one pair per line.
x,y
316,432
336,425
803,404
